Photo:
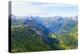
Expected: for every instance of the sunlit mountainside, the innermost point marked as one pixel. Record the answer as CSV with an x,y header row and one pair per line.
x,y
36,33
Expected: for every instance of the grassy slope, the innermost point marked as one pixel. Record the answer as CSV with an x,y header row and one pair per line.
x,y
67,40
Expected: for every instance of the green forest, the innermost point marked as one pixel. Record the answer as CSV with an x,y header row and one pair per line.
x,y
24,39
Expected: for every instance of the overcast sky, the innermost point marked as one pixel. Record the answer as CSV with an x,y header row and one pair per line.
x,y
43,9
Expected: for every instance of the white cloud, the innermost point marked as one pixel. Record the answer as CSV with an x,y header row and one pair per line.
x,y
22,9
39,9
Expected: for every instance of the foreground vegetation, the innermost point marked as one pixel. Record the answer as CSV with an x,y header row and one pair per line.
x,y
25,39
67,40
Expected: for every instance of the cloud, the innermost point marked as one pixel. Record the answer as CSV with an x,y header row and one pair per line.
x,y
42,9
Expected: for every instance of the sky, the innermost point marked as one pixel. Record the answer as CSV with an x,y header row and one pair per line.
x,y
43,9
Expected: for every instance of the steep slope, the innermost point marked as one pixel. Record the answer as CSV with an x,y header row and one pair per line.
x,y
61,24
25,39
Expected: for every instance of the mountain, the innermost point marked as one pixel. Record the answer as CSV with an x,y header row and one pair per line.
x,y
15,20
45,26
35,30
61,25
57,24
